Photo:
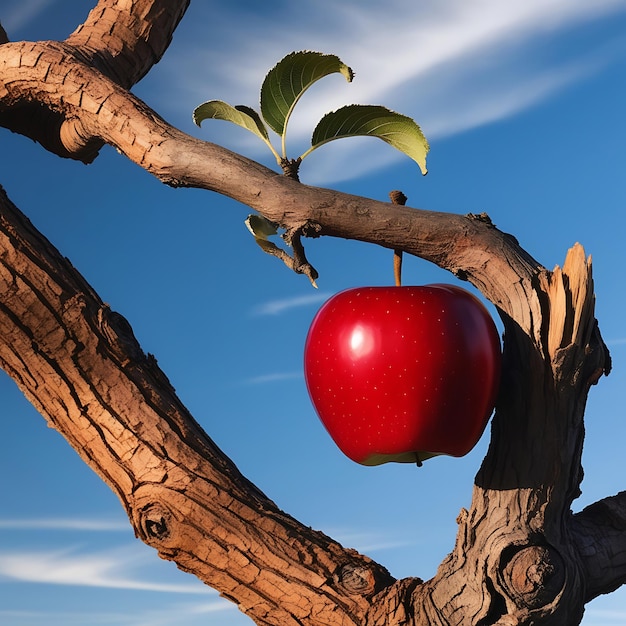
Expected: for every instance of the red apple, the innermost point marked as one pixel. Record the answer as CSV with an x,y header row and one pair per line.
x,y
403,373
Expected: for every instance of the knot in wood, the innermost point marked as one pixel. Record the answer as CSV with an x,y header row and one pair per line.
x,y
156,522
356,579
534,576
121,342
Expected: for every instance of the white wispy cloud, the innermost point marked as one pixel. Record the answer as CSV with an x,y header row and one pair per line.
x,y
368,541
273,378
182,614
616,342
109,569
276,307
18,14
450,64
88,525
64,618
604,617
170,615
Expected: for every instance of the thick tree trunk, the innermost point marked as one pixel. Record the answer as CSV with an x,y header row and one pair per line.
x,y
521,557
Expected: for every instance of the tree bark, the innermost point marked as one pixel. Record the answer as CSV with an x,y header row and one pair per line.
x,y
520,557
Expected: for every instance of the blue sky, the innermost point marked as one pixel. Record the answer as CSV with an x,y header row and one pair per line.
x,y
523,105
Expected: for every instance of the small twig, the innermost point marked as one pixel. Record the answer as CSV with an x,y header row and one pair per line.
x,y
397,197
262,229
300,263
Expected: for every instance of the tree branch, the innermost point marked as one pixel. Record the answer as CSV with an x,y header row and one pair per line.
x,y
120,40
519,553
125,39
80,365
599,532
469,247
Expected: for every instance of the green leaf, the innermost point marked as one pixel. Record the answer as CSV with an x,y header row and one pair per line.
x,y
358,120
290,78
241,115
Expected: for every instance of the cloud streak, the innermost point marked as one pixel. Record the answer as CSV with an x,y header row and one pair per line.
x,y
276,307
449,64
616,342
87,525
106,569
273,378
604,617
168,615
368,542
23,12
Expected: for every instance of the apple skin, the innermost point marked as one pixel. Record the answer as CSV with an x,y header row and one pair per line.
x,y
403,373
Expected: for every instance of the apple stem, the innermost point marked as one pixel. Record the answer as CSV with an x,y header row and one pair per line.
x,y
418,462
397,197
397,267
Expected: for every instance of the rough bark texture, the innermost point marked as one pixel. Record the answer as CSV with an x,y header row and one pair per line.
x,y
520,557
